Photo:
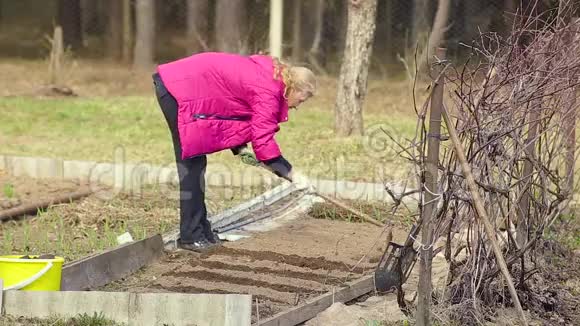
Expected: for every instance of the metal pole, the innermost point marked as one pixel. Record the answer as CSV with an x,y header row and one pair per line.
x,y
276,27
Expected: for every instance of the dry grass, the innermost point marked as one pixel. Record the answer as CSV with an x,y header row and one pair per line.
x,y
116,108
91,225
101,78
381,211
79,320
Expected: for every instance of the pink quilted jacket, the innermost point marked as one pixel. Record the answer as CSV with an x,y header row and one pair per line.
x,y
226,100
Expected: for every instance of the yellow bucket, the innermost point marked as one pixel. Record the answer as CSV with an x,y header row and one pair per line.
x,y
31,274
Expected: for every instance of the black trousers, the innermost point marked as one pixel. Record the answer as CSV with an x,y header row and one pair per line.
x,y
194,224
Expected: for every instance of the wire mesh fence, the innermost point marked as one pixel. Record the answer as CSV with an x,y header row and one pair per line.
x,y
314,30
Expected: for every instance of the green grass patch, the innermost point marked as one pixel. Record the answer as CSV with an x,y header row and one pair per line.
x,y
8,191
92,225
94,128
565,230
80,320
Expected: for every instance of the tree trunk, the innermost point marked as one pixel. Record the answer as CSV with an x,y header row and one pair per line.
x,y
471,27
352,83
420,30
569,129
197,25
389,40
439,26
56,57
90,14
69,17
569,120
431,176
510,7
530,151
314,52
318,16
343,23
276,28
522,235
115,30
297,31
230,25
127,31
145,33
437,37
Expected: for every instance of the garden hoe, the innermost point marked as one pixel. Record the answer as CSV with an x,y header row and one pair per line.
x,y
396,263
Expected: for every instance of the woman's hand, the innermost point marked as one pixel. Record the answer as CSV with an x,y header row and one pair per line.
x,y
280,167
248,157
300,180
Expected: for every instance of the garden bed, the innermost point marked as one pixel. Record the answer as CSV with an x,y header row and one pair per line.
x,y
19,191
281,268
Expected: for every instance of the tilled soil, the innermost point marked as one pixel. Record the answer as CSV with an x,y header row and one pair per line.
x,y
280,268
313,263
16,191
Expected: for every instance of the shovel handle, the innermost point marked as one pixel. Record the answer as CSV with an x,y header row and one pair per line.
x,y
342,205
338,203
271,170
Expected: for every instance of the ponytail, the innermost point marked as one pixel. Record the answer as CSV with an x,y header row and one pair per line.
x,y
294,77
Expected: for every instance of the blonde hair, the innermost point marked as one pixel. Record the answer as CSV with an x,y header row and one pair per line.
x,y
295,77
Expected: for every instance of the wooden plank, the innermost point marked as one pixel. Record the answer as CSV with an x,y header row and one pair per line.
x,y
111,265
312,308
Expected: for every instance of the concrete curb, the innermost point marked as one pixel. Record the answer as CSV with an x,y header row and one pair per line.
x,y
132,177
141,309
128,176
